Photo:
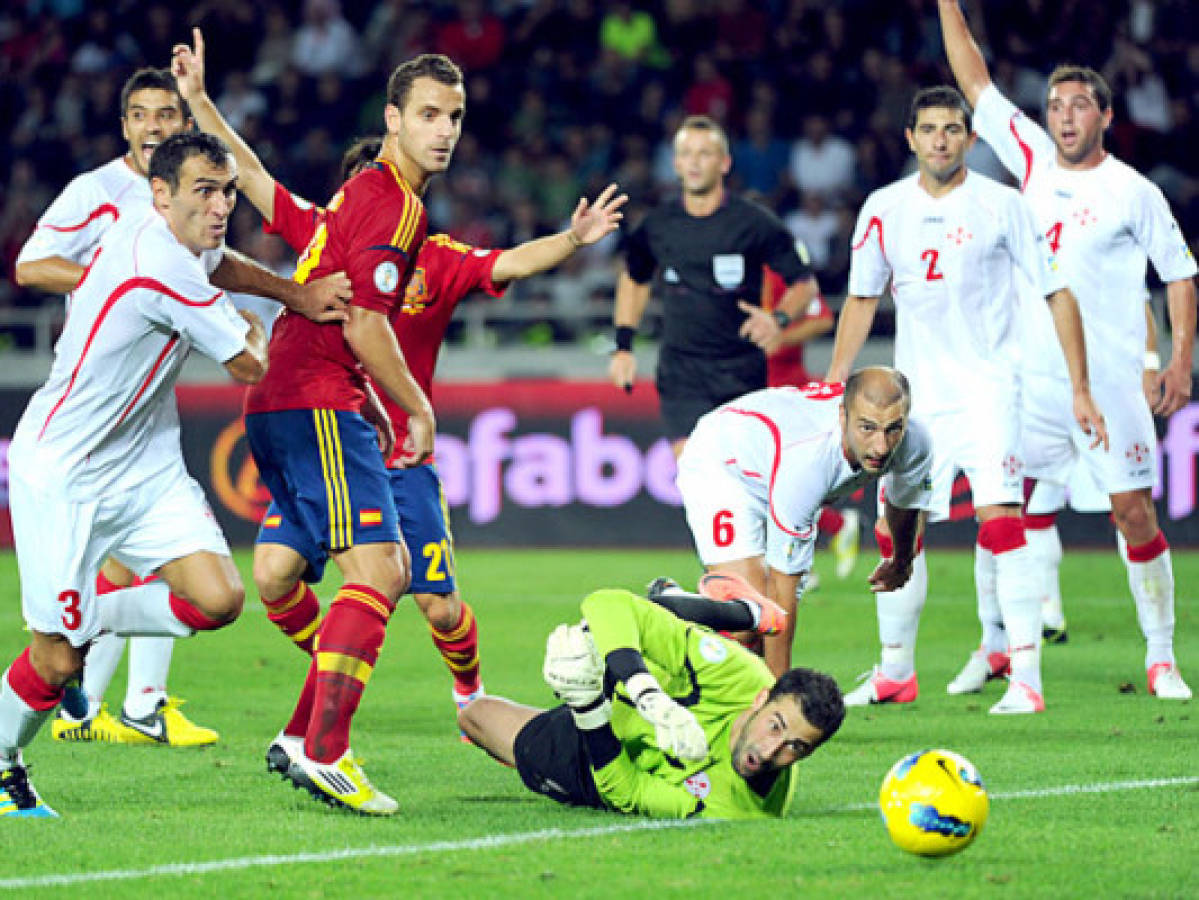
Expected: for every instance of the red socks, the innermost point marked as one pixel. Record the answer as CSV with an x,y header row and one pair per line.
x,y
459,647
297,615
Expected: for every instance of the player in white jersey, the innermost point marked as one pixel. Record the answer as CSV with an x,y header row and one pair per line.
x,y
1104,221
95,465
756,471
950,243
53,259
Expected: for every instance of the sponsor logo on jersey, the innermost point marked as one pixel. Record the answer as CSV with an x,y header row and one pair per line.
x,y
728,269
480,252
712,648
387,277
934,220
698,785
370,517
1065,195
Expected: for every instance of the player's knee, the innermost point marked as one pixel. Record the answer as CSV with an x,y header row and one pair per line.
x,y
442,611
1135,519
274,576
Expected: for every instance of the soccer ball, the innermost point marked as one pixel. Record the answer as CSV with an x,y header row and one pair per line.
x,y
933,803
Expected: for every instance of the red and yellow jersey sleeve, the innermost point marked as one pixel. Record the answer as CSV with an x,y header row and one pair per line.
x,y
295,219
373,228
453,269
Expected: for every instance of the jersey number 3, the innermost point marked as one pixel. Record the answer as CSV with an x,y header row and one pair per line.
x,y
71,614
932,256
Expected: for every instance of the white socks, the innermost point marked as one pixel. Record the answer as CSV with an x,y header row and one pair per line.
x,y
1152,585
1016,591
142,610
994,638
99,666
898,621
1045,546
149,663
19,722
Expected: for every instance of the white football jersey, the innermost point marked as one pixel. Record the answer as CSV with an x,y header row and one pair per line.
x,y
71,227
1103,224
106,418
785,446
951,262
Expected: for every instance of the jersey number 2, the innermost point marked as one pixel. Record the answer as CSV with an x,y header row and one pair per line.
x,y
932,256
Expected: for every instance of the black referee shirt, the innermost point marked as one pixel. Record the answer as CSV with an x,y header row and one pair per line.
x,y
706,264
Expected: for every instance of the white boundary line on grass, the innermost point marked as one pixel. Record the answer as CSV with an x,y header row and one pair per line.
x,y
502,840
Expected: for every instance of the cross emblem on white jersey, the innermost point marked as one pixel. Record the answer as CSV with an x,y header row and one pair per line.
x,y
960,236
1084,216
1138,452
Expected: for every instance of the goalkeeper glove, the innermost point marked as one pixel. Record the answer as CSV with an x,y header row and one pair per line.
x,y
575,674
676,729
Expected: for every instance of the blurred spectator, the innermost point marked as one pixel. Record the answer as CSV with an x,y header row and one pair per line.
x,y
631,34
710,94
326,42
274,50
240,100
474,40
816,225
761,157
822,163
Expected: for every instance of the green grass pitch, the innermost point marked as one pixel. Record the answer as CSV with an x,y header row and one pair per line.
x,y
1065,822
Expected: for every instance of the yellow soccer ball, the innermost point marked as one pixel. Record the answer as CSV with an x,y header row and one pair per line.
x,y
933,803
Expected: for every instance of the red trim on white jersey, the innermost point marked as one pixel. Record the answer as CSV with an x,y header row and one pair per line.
x,y
774,468
103,209
874,222
120,291
1024,148
166,351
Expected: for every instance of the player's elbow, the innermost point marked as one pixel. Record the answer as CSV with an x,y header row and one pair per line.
x,y
25,275
246,368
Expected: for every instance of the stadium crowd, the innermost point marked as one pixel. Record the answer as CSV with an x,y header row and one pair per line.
x,y
566,96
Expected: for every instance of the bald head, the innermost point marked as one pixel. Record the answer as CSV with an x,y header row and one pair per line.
x,y
874,417
878,386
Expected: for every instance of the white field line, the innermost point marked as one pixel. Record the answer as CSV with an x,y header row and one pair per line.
x,y
499,840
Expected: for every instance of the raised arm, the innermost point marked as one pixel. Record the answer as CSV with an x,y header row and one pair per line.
x,y
590,223
965,58
253,180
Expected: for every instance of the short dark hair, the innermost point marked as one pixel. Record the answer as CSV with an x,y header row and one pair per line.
x,y
1088,76
168,158
940,97
864,380
428,65
705,123
364,150
151,80
818,696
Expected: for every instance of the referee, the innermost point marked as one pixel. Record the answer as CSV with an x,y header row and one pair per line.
x,y
711,247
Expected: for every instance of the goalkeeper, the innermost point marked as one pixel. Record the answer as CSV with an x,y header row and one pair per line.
x,y
660,717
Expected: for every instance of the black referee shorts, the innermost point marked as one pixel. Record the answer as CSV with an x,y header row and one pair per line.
x,y
552,759
689,386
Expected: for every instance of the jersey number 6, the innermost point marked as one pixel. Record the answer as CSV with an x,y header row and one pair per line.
x,y
722,528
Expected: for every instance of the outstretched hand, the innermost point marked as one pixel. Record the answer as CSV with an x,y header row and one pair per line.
x,y
761,327
889,575
187,65
591,222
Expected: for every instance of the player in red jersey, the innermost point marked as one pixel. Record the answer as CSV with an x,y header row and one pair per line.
x,y
446,271
318,453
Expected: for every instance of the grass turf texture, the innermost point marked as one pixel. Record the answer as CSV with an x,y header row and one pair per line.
x,y
134,808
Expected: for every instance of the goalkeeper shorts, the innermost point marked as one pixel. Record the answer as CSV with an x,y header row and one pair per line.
x,y
552,759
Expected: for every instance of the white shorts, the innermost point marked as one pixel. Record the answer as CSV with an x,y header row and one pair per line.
x,y
1053,442
61,543
1074,487
727,520
983,441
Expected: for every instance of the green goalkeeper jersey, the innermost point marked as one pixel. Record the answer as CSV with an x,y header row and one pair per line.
x,y
713,677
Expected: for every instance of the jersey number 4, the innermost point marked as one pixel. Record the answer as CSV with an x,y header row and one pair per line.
x,y
1054,234
931,256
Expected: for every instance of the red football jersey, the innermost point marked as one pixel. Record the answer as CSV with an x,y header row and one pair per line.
x,y
371,230
786,366
446,271
296,219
